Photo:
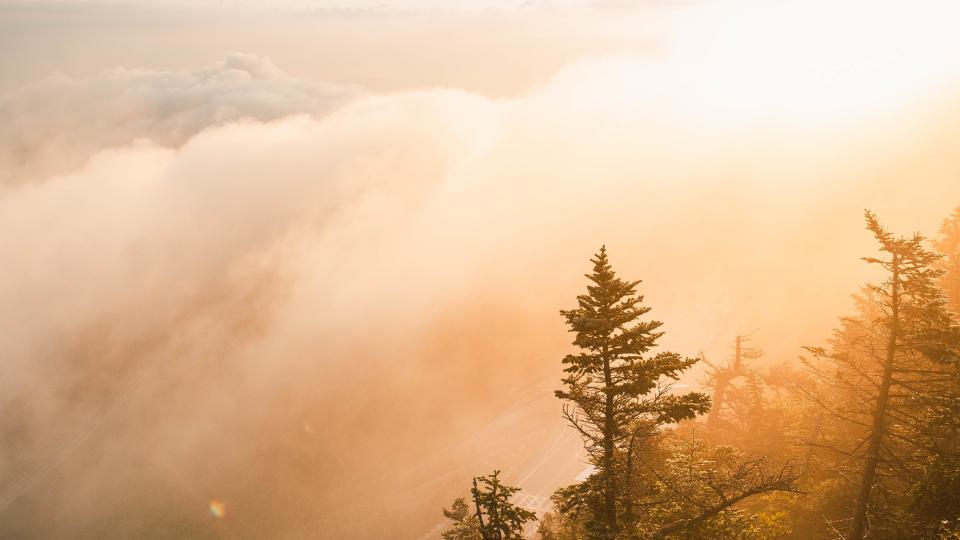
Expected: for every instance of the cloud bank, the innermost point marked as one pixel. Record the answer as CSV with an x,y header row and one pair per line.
x,y
55,125
317,317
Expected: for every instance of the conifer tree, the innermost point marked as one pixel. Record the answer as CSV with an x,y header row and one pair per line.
x,y
465,525
884,361
913,309
498,517
612,383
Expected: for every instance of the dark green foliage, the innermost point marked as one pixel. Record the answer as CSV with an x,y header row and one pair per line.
x,y
499,519
612,383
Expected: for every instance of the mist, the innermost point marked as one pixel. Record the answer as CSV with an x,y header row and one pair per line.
x,y
321,301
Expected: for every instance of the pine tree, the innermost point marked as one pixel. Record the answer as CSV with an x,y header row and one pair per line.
x,y
465,525
610,384
913,308
499,519
883,362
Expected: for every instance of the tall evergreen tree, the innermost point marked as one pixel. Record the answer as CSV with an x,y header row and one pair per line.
x,y
611,384
883,363
913,311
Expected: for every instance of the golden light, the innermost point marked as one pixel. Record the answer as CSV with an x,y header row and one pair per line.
x,y
812,63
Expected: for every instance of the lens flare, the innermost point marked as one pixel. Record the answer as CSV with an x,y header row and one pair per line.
x,y
218,509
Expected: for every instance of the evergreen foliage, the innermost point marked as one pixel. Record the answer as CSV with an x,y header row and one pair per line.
x,y
498,517
863,443
612,384
465,525
881,370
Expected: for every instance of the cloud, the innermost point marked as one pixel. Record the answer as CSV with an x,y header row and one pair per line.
x,y
321,318
55,125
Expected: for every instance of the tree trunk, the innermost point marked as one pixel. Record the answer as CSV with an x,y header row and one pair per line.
x,y
495,517
610,485
858,526
476,501
628,517
724,376
719,389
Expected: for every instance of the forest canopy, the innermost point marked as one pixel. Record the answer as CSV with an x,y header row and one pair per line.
x,y
859,439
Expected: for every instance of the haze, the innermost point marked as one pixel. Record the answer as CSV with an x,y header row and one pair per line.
x,y
307,258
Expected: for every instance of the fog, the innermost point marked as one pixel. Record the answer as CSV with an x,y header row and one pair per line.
x,y
326,302
56,124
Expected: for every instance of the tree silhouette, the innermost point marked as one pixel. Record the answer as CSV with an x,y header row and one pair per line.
x,y
499,519
611,385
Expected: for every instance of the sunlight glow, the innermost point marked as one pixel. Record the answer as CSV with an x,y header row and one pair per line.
x,y
813,62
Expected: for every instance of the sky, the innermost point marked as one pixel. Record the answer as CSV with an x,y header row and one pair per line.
x,y
306,259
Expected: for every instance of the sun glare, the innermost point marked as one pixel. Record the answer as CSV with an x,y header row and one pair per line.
x,y
813,63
